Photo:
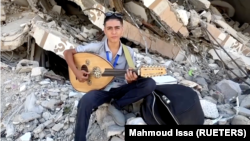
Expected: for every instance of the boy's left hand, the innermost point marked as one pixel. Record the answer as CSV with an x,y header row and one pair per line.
x,y
130,76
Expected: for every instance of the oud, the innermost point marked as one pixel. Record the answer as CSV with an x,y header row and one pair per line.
x,y
102,72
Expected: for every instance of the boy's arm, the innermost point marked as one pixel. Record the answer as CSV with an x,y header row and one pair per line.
x,y
68,55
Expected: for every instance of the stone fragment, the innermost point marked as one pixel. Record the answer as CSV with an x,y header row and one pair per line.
x,y
200,4
210,110
57,127
114,130
240,120
28,116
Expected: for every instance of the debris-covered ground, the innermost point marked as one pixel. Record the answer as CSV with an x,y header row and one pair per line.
x,y
196,40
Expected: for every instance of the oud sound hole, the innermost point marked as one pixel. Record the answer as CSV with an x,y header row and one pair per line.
x,y
83,67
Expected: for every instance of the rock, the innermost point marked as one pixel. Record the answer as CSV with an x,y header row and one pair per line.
x,y
72,119
64,89
50,104
42,135
97,134
101,112
28,116
210,99
200,80
207,16
54,90
107,121
10,130
36,71
246,102
57,127
197,32
46,115
49,139
225,110
240,120
114,130
57,120
116,139
229,88
210,110
25,137
200,4
22,88
44,82
69,131
148,60
42,126
243,111
194,18
136,121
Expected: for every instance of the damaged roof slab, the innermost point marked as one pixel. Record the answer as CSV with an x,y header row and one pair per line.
x,y
51,40
14,33
163,9
132,33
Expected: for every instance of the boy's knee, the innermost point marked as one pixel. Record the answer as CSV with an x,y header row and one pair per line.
x,y
150,84
87,100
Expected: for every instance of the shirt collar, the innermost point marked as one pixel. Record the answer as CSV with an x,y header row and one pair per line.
x,y
107,48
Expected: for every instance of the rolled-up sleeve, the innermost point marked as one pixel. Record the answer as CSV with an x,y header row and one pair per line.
x,y
91,47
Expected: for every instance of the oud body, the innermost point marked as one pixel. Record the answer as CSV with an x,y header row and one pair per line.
x,y
102,72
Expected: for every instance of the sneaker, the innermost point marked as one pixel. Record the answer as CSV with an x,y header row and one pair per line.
x,y
117,115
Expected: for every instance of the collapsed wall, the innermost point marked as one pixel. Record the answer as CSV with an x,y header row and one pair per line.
x,y
183,36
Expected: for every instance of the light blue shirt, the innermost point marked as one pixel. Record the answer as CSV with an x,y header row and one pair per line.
x,y
100,48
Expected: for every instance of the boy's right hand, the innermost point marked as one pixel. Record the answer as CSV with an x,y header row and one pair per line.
x,y
82,75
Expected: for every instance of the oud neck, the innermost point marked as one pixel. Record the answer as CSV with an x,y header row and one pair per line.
x,y
117,72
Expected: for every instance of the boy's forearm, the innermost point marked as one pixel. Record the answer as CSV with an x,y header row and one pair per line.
x,y
68,54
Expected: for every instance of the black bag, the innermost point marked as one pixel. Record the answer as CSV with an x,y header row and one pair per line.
x,y
172,104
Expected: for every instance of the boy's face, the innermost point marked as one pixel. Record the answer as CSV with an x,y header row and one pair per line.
x,y
113,30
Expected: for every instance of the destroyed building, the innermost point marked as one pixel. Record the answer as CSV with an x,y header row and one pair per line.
x,y
204,44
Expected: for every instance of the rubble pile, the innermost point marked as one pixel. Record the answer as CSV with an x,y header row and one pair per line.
x,y
196,40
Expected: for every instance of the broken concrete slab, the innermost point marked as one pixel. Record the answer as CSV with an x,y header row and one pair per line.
x,y
242,111
15,34
240,59
136,9
21,2
166,14
132,33
216,15
194,19
200,4
226,7
231,31
28,116
57,9
3,13
227,41
51,40
215,32
26,66
84,3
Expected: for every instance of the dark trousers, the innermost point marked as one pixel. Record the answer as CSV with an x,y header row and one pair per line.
x,y
123,96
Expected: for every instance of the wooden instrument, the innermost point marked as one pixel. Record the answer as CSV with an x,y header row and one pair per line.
x,y
102,72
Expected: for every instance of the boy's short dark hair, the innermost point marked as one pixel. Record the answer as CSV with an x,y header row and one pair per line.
x,y
109,16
